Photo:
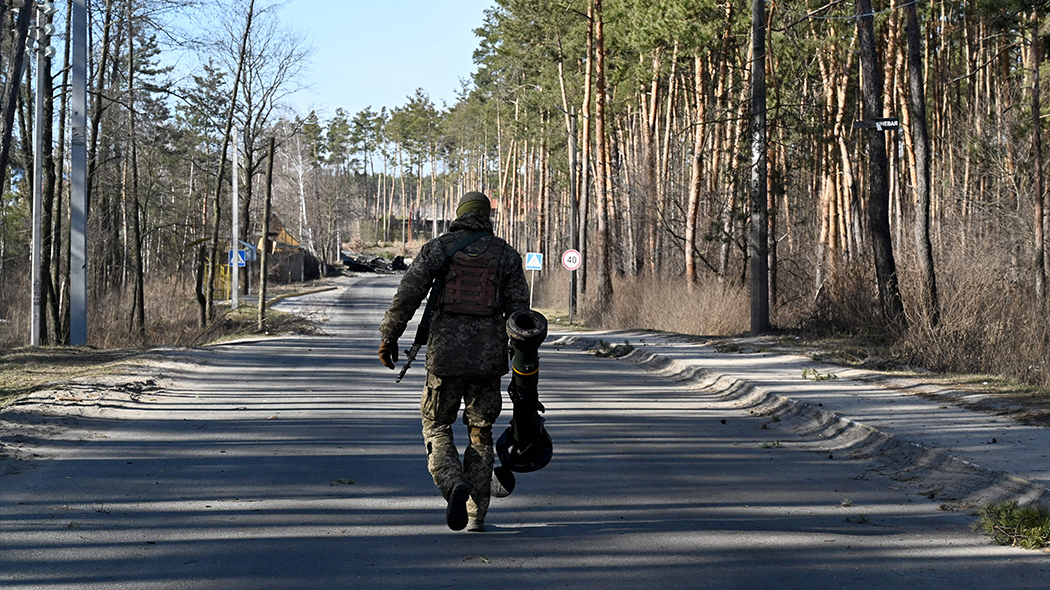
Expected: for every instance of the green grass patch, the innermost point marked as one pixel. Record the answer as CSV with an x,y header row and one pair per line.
x,y
815,375
1009,524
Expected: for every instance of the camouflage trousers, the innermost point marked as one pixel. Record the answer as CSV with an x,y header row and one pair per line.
x,y
439,407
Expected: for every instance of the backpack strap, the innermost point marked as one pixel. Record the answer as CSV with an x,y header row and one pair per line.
x,y
436,289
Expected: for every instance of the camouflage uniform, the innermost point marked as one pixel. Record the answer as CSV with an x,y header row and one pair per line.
x,y
466,356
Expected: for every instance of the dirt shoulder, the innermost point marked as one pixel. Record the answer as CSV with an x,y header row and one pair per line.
x,y
25,370
989,394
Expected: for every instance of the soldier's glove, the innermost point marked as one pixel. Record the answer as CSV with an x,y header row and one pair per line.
x,y
388,354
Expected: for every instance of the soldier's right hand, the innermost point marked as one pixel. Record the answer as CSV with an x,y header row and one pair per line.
x,y
388,354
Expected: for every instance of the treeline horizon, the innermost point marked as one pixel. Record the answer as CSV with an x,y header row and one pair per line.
x,y
652,101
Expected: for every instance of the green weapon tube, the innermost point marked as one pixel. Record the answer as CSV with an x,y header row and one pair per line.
x,y
525,446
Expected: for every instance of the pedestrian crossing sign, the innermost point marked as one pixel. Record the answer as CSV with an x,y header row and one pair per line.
x,y
533,261
237,259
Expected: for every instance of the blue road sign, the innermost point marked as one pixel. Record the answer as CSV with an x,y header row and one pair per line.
x,y
533,261
240,257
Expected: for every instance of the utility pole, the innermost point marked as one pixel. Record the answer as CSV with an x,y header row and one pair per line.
x,y
759,213
41,33
78,179
235,207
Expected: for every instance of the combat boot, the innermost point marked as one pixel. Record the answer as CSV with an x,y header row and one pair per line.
x,y
456,512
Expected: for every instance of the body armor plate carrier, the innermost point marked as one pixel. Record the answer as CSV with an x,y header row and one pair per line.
x,y
471,288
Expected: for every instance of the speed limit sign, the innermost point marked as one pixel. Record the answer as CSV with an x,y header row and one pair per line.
x,y
571,259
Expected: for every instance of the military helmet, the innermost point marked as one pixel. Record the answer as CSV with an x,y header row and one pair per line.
x,y
473,201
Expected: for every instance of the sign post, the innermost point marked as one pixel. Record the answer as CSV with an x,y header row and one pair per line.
x,y
533,262
571,259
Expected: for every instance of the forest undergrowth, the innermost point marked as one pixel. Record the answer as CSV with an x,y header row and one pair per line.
x,y
988,325
172,318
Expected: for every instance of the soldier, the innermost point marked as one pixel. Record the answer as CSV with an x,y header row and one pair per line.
x,y
466,350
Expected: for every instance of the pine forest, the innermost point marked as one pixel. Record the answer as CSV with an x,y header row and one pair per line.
x,y
892,185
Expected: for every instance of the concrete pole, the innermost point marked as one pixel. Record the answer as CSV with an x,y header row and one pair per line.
x,y
38,181
78,179
235,270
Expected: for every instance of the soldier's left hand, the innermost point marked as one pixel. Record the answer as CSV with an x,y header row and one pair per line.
x,y
388,354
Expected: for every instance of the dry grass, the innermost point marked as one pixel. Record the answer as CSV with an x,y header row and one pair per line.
x,y
171,316
171,319
14,312
989,325
846,303
644,303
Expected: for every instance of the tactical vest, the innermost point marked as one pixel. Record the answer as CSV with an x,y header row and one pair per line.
x,y
470,287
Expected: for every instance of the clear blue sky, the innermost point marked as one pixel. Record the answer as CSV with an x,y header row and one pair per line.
x,y
377,52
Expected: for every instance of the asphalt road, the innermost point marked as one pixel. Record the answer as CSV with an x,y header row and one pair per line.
x,y
298,463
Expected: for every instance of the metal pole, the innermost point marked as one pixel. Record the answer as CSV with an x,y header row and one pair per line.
x,y
235,271
532,288
78,179
38,179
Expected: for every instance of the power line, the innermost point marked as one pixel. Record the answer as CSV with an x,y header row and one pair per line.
x,y
813,15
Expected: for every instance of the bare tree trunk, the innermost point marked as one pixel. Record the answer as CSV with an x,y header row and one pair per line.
x,y
650,107
662,176
202,263
878,201
696,166
217,218
13,87
542,229
921,152
404,200
51,321
61,257
1037,164
264,256
433,192
585,157
108,262
602,188
759,174
138,313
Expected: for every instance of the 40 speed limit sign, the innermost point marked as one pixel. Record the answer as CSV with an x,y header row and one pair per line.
x,y
571,259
